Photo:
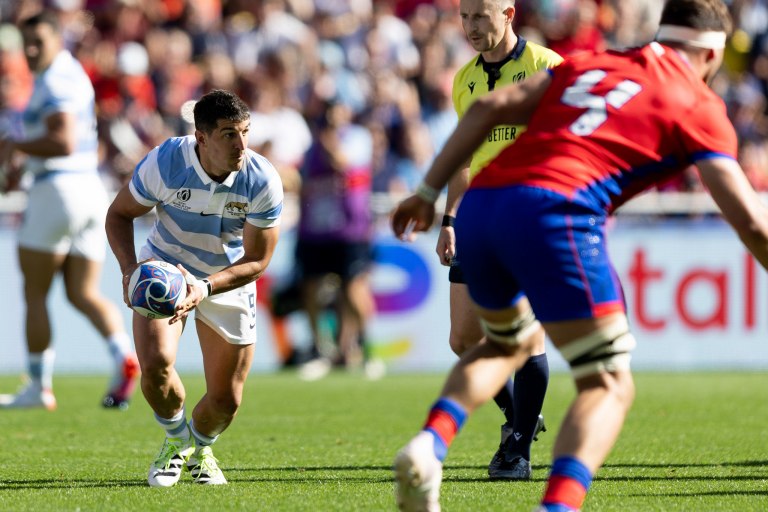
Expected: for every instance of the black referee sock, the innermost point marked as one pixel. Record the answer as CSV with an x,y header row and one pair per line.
x,y
505,400
530,387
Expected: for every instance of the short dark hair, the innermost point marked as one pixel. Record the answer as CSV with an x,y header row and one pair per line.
x,y
698,14
45,17
219,104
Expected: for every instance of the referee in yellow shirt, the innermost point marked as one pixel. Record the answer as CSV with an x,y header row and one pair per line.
x,y
504,57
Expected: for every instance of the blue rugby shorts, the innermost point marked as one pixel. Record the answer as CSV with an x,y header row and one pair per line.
x,y
523,240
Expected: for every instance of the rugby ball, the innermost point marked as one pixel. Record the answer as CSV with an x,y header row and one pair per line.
x,y
155,288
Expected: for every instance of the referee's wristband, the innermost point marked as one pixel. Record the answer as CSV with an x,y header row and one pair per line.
x,y
448,221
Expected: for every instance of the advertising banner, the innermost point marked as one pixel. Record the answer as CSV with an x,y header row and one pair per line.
x,y
696,300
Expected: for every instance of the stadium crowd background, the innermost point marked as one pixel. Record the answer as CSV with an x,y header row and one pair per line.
x,y
390,61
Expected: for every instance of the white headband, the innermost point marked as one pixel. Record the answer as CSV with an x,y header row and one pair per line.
x,y
712,40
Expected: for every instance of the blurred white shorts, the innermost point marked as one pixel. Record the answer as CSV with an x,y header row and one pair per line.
x,y
65,215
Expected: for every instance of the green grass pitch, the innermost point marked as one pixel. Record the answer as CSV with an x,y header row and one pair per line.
x,y
693,442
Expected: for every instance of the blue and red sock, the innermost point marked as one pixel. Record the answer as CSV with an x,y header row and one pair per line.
x,y
567,486
444,421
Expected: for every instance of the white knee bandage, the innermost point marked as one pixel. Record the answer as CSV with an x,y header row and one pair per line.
x,y
512,332
604,350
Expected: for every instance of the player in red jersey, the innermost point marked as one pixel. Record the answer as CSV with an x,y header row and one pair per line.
x,y
601,128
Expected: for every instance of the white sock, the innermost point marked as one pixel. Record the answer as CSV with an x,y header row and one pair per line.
x,y
201,440
40,367
175,427
120,345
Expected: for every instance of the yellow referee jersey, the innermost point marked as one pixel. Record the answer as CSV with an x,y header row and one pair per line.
x,y
477,77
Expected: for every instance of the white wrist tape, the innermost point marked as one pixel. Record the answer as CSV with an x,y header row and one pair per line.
x,y
203,285
427,193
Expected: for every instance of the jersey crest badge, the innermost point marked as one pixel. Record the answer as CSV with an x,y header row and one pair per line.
x,y
236,208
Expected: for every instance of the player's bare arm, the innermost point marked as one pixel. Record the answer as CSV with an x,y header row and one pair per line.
x,y
259,245
446,240
740,204
513,104
120,234
60,138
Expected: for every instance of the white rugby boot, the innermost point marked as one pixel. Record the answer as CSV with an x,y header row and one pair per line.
x,y
205,468
31,395
165,471
418,475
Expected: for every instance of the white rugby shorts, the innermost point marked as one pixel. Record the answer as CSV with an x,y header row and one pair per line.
x,y
65,215
231,314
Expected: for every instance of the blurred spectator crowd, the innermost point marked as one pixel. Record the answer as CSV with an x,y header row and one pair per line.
x,y
389,62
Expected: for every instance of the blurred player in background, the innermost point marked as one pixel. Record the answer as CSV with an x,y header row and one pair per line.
x,y
63,227
218,208
504,58
333,247
531,230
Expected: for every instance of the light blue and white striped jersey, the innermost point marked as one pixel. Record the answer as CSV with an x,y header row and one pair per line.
x,y
199,221
63,87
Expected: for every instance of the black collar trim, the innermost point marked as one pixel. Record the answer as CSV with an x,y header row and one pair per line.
x,y
515,54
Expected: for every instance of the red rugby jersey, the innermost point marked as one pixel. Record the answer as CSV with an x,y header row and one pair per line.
x,y
612,124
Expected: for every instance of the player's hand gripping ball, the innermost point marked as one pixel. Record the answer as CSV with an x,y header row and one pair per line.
x,y
155,288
